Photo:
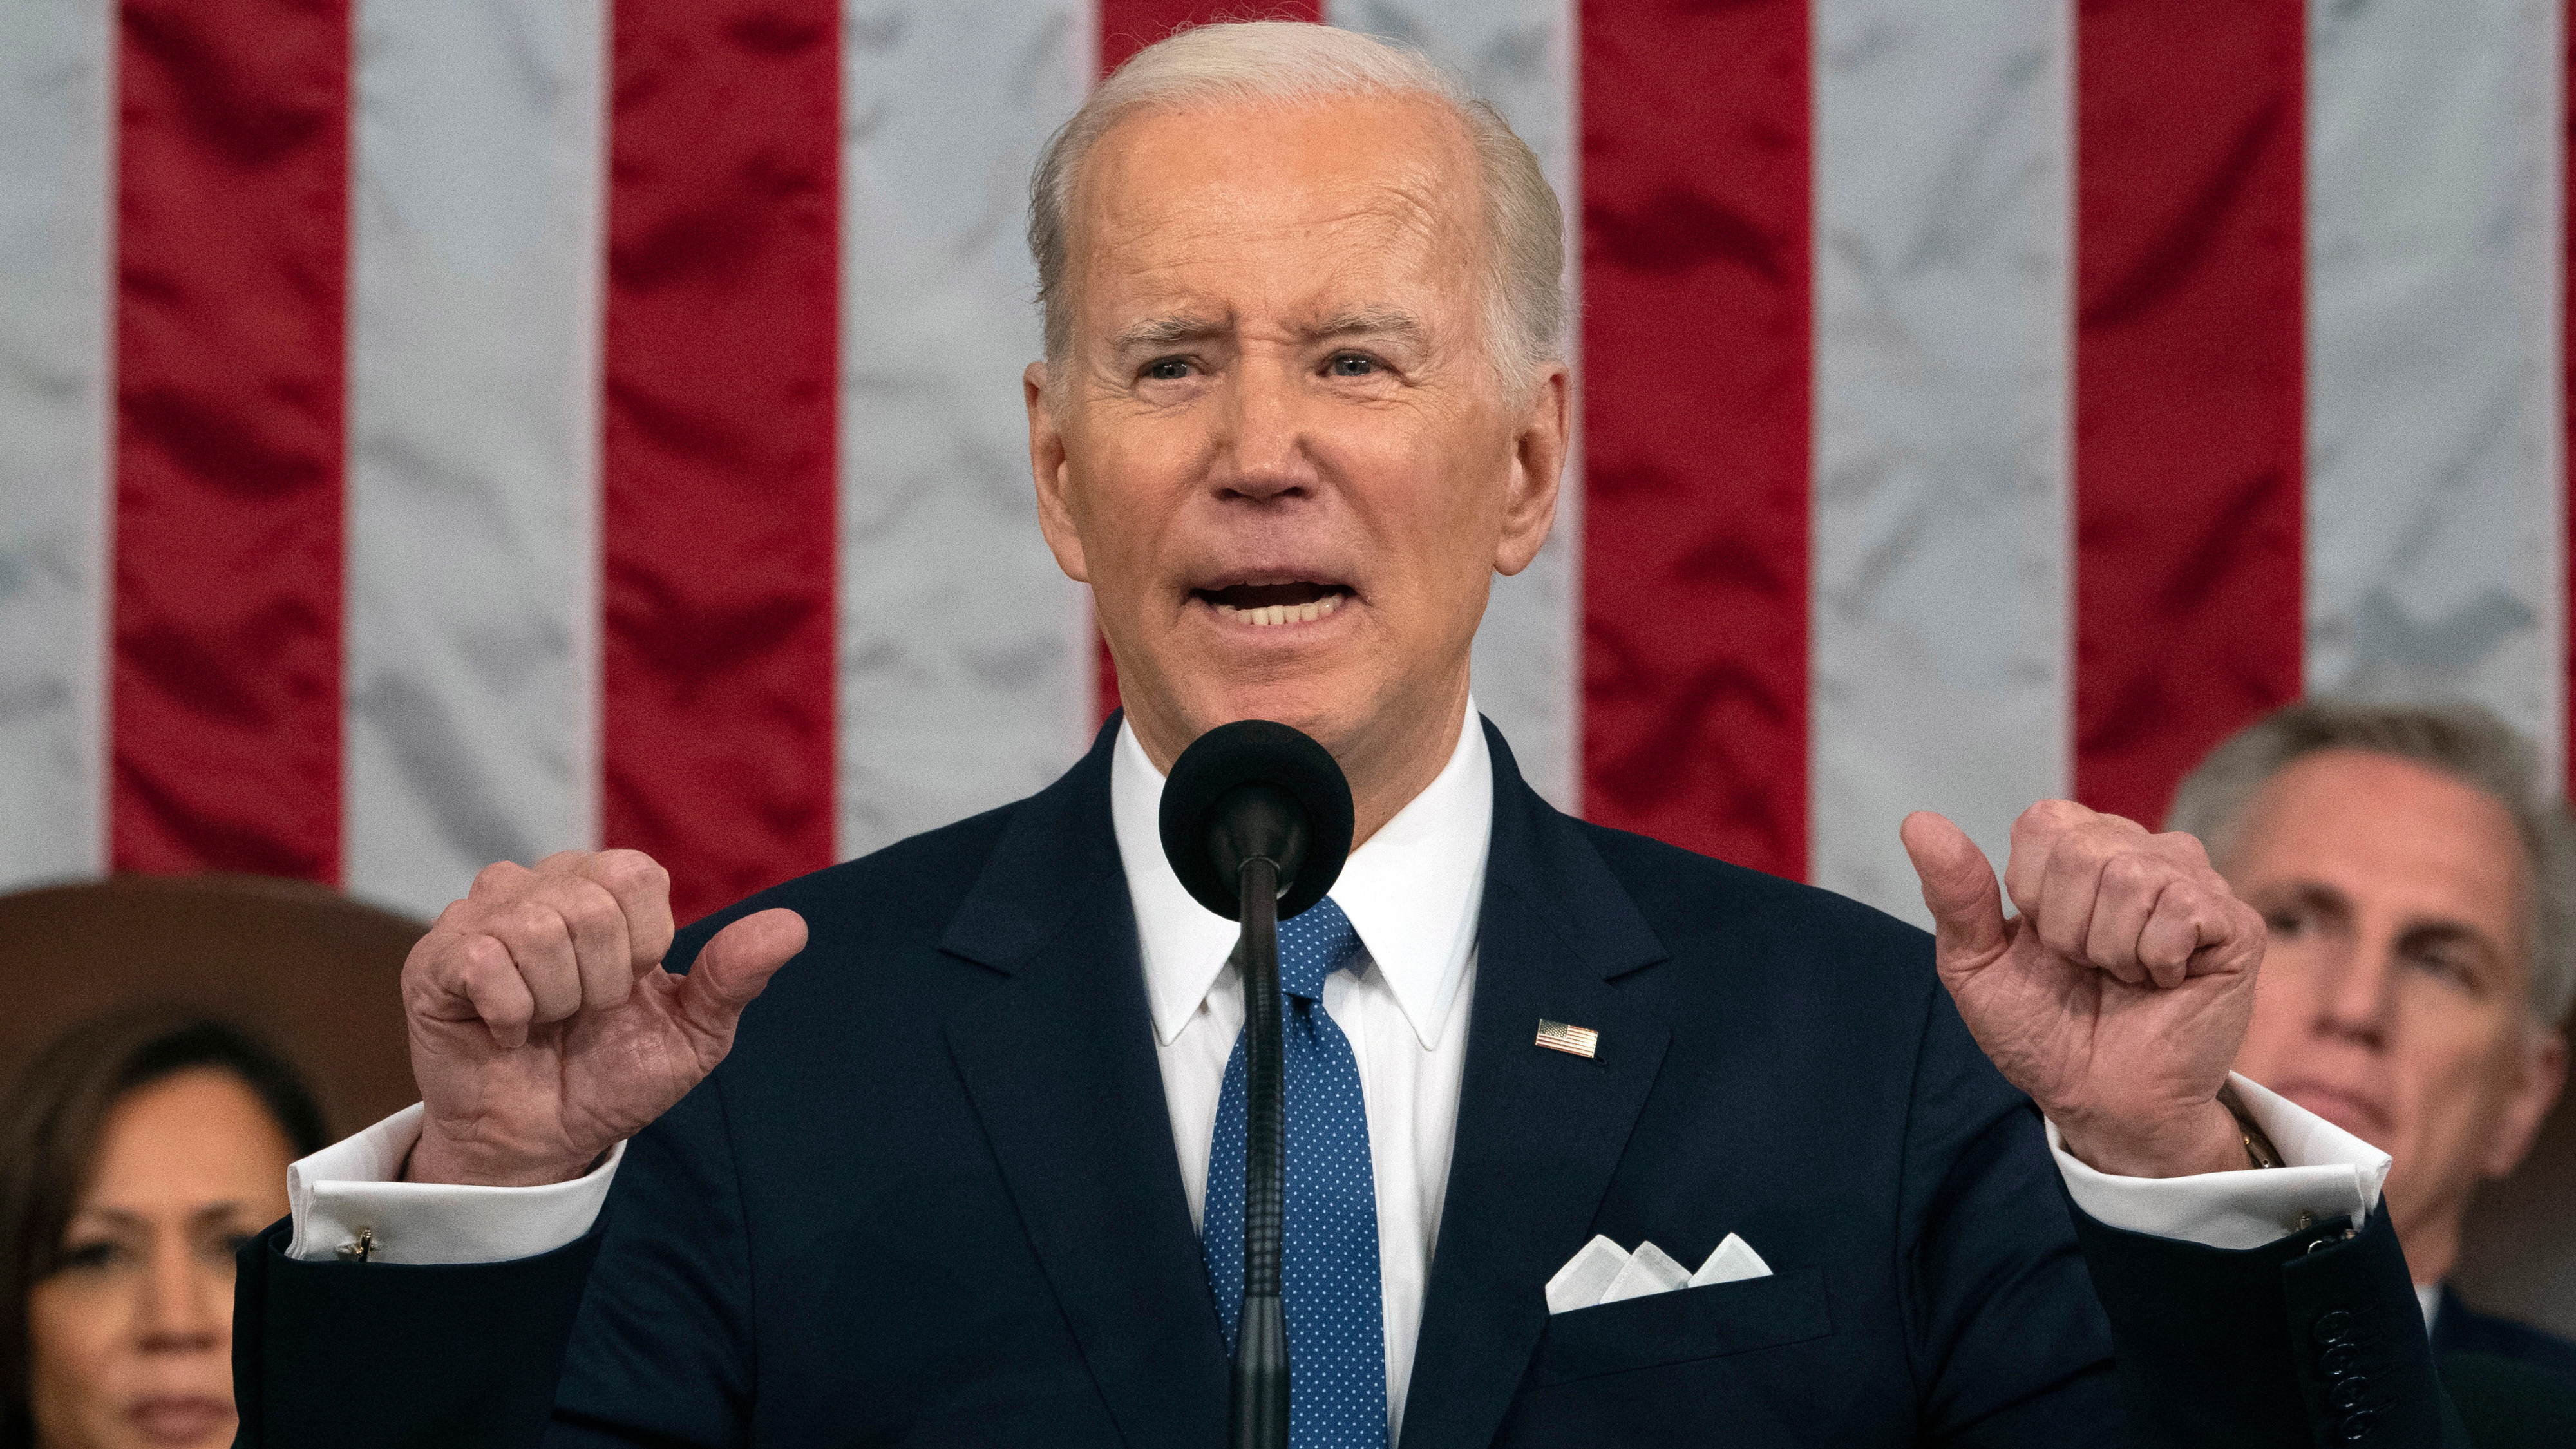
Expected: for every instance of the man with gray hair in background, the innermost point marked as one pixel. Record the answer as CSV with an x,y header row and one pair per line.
x,y
2418,883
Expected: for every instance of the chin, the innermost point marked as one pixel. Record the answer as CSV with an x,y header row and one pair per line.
x,y
1300,711
1327,704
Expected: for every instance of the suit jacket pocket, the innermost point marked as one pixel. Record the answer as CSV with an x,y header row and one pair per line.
x,y
1685,1324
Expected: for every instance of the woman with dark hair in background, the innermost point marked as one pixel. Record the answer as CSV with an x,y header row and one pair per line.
x,y
135,1155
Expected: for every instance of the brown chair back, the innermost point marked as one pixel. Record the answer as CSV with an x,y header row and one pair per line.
x,y
316,974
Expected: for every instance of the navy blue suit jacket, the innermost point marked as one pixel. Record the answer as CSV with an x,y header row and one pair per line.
x,y
931,1199
2515,1385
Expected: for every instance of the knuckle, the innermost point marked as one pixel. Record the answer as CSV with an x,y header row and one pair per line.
x,y
2078,858
496,880
2061,814
483,959
628,870
592,905
2183,846
445,954
2042,820
2197,902
2129,871
531,922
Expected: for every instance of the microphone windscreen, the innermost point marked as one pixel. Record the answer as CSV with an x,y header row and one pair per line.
x,y
1255,752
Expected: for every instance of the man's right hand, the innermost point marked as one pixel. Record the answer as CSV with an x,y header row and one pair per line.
x,y
544,1030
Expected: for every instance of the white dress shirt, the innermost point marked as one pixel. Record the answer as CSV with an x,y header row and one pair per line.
x,y
1412,891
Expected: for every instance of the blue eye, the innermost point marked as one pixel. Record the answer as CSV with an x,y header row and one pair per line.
x,y
1352,364
1167,369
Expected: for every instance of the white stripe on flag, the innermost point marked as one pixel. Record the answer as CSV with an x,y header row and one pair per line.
x,y
2433,321
1519,54
965,653
57,77
1940,581
473,420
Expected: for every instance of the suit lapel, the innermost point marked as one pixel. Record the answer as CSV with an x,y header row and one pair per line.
x,y
1539,1132
1060,1063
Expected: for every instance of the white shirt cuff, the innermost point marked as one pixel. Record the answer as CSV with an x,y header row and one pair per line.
x,y
350,1186
2327,1173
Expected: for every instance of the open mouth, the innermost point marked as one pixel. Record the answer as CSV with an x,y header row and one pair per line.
x,y
1265,605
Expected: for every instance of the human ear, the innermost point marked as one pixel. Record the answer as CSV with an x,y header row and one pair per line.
x,y
1048,465
2543,1074
1539,443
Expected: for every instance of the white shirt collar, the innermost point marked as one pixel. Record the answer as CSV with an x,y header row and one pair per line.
x,y
1412,890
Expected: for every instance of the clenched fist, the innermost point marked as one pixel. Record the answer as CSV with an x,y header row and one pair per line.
x,y
2117,997
543,1028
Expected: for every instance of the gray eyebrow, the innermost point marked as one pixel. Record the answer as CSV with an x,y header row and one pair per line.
x,y
1377,321
1164,331
1178,328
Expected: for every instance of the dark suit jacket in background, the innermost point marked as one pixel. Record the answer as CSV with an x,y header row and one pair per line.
x,y
931,1199
2515,1385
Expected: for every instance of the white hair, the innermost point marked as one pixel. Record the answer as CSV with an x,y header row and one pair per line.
x,y
1294,63
2462,741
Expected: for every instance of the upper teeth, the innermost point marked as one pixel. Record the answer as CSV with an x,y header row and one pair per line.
x,y
1283,613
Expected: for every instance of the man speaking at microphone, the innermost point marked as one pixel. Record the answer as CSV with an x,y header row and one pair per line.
x,y
963,1172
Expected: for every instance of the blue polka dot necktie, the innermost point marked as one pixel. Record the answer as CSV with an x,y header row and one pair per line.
x,y
1328,1262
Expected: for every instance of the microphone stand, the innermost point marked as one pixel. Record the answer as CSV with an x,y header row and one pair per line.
x,y
1259,1412
1256,820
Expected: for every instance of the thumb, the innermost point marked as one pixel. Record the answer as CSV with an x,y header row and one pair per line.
x,y
1958,888
732,968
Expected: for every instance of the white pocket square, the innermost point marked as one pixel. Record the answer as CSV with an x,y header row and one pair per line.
x,y
1604,1272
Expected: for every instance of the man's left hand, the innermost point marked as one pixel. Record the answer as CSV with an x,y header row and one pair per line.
x,y
2117,997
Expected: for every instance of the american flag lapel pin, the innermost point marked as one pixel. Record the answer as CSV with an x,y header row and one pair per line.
x,y
1574,1041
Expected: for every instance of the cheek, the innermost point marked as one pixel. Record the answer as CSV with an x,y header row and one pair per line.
x,y
1438,523
76,1337
2456,1056
2282,1012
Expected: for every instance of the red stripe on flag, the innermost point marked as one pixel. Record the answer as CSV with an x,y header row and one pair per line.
x,y
719,372
2188,375
1696,404
232,246
1126,27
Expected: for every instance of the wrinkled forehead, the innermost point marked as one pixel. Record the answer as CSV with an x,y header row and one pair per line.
x,y
2399,833
1264,200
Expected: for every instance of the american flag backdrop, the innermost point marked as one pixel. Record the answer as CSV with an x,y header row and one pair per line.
x,y
438,433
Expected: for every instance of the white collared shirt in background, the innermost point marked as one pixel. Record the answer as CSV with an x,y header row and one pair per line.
x,y
1413,892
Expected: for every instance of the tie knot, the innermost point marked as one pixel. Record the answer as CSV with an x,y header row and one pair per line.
x,y
1314,944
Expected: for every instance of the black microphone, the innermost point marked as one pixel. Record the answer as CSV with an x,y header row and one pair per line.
x,y
1257,822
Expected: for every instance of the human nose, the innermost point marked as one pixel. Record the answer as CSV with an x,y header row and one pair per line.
x,y
185,1302
2360,983
1262,455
